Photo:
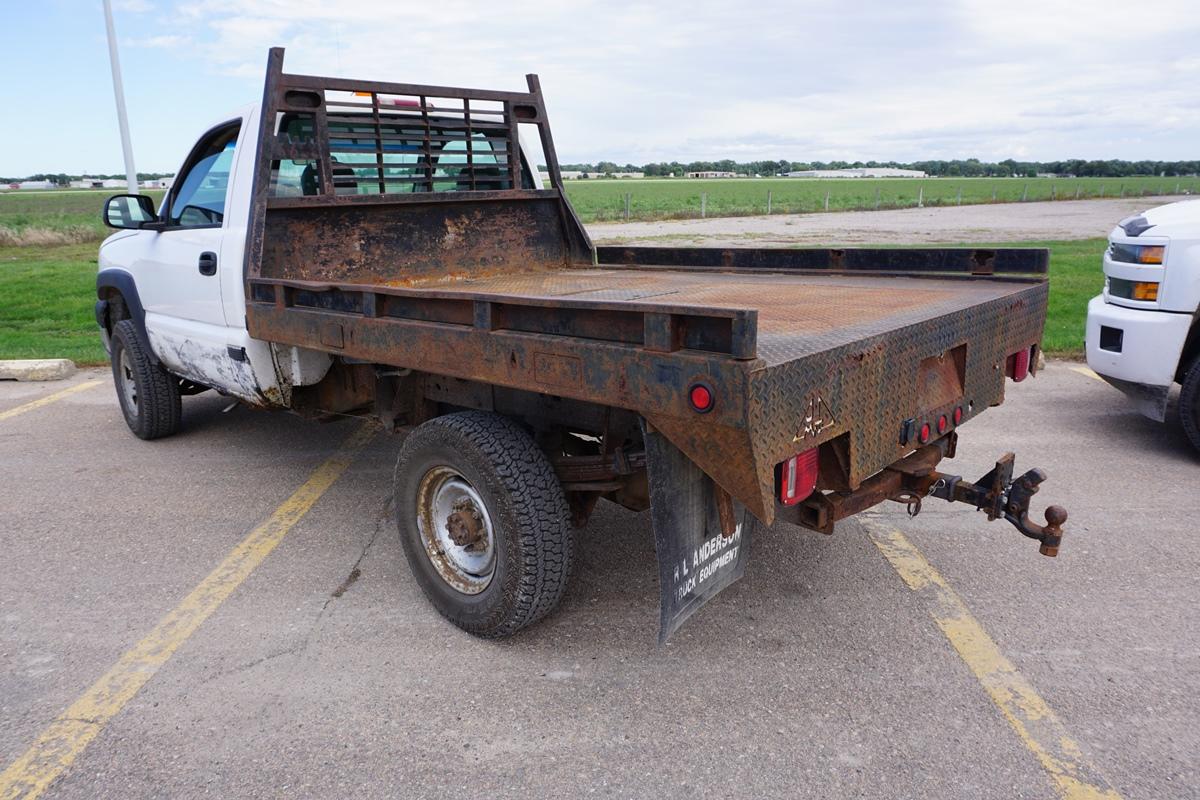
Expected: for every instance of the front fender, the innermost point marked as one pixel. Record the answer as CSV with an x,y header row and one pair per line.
x,y
109,281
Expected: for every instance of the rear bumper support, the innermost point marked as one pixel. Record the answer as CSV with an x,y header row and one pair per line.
x,y
1002,497
914,478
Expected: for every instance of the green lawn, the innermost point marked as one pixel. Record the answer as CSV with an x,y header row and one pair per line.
x,y
49,294
59,217
54,217
1075,278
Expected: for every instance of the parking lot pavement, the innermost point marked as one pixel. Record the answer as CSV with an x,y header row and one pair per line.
x,y
821,674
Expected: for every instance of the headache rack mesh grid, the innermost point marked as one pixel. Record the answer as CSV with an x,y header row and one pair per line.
x,y
326,138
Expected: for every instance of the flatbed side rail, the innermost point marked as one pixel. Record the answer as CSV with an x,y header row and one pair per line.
x,y
944,262
655,327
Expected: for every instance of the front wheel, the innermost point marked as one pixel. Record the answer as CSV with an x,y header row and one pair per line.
x,y
483,521
1189,403
148,394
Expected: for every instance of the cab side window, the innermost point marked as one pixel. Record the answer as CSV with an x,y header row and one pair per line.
x,y
199,200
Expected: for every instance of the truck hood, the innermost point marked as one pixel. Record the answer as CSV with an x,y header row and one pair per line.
x,y
1179,218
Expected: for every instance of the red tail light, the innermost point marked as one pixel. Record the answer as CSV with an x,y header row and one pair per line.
x,y
1017,366
943,423
701,398
798,477
923,436
958,415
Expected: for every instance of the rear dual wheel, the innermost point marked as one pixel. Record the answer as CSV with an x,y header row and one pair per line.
x,y
483,521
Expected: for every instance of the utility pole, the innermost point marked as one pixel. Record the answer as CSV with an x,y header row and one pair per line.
x,y
119,91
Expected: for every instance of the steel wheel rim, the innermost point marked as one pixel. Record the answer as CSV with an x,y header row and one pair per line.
x,y
128,384
449,506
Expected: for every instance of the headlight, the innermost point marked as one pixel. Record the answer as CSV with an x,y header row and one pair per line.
x,y
1146,291
1136,253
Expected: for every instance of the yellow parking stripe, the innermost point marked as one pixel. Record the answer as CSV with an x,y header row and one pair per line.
x,y
67,736
1036,724
1090,374
47,400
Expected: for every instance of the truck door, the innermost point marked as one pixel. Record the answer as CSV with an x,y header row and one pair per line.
x,y
178,279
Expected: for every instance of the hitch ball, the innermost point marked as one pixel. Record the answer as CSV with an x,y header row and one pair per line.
x,y
1052,533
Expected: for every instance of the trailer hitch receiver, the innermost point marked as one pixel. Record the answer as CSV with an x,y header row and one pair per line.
x,y
1002,497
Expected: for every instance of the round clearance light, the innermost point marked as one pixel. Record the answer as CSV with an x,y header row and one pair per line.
x,y
923,436
943,423
958,415
701,398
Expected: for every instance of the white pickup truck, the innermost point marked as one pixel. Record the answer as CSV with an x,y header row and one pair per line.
x,y
1143,331
366,249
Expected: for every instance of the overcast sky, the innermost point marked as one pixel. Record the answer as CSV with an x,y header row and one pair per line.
x,y
802,80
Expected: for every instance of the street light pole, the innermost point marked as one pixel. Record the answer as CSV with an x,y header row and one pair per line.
x,y
119,91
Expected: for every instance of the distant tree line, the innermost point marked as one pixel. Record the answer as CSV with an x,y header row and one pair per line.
x,y
967,168
62,179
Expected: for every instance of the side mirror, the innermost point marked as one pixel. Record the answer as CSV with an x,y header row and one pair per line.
x,y
129,211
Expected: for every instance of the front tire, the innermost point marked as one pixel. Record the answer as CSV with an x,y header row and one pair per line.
x,y
1189,404
147,393
483,521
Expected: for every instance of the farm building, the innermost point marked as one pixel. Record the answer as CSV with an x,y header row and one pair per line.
x,y
574,174
712,174
864,172
97,183
35,185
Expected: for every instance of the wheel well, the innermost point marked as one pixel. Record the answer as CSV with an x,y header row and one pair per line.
x,y
117,308
1191,349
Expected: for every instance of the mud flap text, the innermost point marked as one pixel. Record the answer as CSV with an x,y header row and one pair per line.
x,y
695,560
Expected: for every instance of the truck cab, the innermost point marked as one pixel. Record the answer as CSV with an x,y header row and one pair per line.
x,y
1143,334
178,276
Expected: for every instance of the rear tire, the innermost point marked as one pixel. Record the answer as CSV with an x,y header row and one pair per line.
x,y
147,393
483,521
1189,404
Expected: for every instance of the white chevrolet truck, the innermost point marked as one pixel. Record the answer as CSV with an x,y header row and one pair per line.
x,y
1143,331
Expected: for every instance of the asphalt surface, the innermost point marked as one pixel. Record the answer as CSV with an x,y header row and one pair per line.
x,y
819,675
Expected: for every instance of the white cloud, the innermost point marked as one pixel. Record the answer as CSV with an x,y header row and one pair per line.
x,y
815,79
166,41
133,6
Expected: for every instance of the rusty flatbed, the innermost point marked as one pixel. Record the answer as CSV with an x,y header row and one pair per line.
x,y
401,228
476,273
797,315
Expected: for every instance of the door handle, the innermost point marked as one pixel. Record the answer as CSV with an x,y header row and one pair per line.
x,y
208,263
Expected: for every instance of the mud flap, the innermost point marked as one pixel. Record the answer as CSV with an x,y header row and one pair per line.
x,y
695,560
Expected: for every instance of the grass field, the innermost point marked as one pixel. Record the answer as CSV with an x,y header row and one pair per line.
x,y
48,308
49,294
54,217
656,198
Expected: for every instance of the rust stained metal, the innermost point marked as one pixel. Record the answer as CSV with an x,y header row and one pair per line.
x,y
465,525
503,288
725,512
412,243
915,477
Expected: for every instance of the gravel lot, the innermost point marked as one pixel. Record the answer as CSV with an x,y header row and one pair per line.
x,y
1002,222
821,674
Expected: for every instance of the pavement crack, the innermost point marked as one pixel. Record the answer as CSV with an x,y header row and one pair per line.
x,y
350,579
382,518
